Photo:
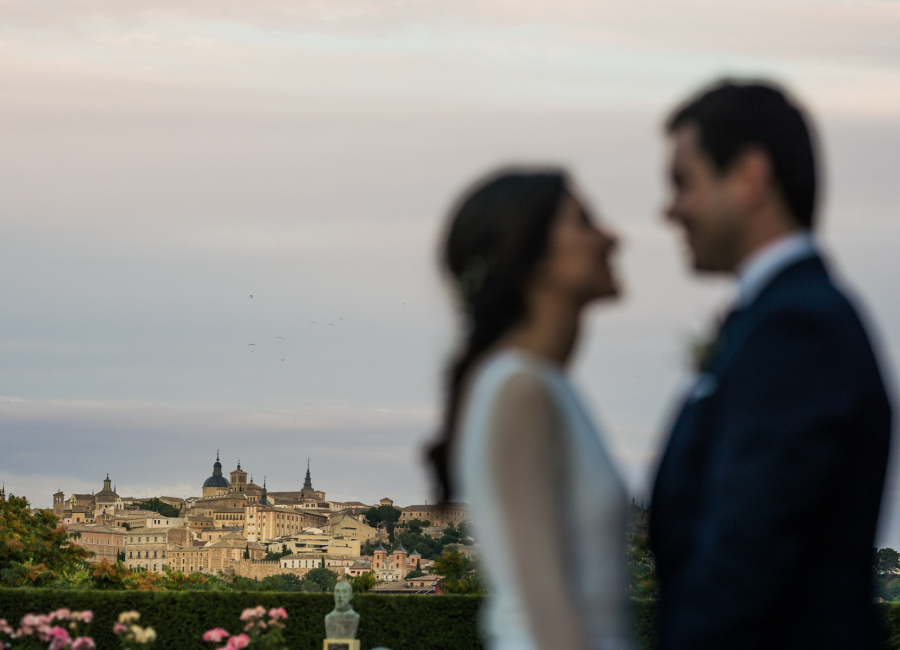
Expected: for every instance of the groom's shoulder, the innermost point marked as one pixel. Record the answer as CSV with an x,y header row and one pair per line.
x,y
808,298
808,290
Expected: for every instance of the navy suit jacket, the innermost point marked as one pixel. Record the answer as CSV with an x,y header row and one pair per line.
x,y
766,499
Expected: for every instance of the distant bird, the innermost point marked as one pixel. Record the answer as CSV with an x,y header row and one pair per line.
x,y
282,359
280,337
251,344
332,324
313,323
251,296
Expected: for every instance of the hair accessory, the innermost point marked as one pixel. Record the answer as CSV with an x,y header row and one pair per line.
x,y
472,278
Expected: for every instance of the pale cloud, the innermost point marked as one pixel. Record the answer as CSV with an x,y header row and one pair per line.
x,y
384,56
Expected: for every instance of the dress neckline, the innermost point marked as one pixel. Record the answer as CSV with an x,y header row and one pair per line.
x,y
530,358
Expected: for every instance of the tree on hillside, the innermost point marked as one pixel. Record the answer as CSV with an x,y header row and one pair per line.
x,y
416,526
886,560
458,572
451,535
33,546
161,507
382,515
282,582
364,581
320,579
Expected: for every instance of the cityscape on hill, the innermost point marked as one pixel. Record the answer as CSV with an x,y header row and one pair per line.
x,y
235,527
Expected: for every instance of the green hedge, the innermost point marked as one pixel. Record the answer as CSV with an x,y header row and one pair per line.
x,y
180,618
397,622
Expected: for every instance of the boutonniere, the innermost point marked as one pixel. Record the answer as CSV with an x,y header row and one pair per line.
x,y
703,349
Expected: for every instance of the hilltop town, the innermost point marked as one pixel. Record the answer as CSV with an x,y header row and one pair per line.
x,y
235,527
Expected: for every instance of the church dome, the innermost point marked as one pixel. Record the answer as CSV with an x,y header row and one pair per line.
x,y
217,480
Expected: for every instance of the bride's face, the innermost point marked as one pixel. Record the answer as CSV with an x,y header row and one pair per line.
x,y
578,260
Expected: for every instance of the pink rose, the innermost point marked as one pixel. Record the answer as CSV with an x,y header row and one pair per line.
x,y
30,621
62,614
278,613
83,643
120,629
238,642
215,635
253,613
87,616
5,627
59,638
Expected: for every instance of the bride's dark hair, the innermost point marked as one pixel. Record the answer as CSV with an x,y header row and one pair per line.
x,y
498,234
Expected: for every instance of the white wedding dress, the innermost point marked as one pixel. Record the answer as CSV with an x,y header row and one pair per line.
x,y
591,497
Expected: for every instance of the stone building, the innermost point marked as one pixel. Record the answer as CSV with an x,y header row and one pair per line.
x,y
337,563
265,522
307,498
238,479
84,508
232,547
106,500
215,557
311,543
393,567
345,525
443,515
189,559
358,568
147,548
102,541
229,518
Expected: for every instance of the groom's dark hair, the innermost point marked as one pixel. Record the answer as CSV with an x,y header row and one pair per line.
x,y
732,117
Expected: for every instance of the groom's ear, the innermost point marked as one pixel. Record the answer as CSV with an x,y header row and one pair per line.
x,y
751,178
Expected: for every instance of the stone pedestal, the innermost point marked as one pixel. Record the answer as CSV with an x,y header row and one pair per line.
x,y
340,644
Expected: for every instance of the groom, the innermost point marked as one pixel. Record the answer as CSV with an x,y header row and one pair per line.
x,y
767,496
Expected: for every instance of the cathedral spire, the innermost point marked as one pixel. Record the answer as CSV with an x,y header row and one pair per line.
x,y
307,484
263,499
307,492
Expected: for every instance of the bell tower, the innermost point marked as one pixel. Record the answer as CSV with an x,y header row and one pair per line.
x,y
238,479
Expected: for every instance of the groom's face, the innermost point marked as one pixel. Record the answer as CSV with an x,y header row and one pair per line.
x,y
702,202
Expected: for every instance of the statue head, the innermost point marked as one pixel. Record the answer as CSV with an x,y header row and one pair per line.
x,y
343,592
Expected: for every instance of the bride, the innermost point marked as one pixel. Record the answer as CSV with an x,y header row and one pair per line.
x,y
517,444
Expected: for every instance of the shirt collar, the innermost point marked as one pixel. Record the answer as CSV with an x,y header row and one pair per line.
x,y
762,267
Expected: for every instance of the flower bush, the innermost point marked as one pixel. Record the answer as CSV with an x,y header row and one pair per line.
x,y
58,630
262,629
131,635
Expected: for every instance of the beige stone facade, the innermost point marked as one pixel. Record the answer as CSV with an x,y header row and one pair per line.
x,y
215,557
394,566
449,513
147,548
189,559
336,563
102,541
306,543
344,525
268,522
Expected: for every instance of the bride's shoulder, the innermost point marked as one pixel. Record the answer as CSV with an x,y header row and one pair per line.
x,y
511,372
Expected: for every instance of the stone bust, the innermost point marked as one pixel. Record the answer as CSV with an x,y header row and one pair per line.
x,y
342,621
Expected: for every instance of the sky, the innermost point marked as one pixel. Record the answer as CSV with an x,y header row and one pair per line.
x,y
220,219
